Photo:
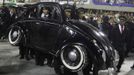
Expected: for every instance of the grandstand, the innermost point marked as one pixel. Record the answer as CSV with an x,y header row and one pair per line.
x,y
124,6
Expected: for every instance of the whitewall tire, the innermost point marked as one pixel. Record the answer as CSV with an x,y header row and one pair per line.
x,y
15,35
75,58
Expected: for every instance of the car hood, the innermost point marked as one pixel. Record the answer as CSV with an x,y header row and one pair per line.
x,y
89,30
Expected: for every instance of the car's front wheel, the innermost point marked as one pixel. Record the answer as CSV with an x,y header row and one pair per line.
x,y
73,61
74,57
15,35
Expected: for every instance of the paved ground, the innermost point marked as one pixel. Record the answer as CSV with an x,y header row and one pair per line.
x,y
10,64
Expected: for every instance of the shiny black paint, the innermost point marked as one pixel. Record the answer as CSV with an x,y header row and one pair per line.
x,y
50,36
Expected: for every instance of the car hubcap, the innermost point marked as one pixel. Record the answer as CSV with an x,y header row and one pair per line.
x,y
72,56
15,34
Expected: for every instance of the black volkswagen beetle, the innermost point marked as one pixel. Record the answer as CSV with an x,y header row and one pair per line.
x,y
74,46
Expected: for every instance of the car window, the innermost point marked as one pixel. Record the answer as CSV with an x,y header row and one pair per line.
x,y
49,12
33,12
21,12
68,13
45,12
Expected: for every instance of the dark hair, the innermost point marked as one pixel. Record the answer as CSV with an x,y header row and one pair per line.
x,y
105,18
122,17
47,8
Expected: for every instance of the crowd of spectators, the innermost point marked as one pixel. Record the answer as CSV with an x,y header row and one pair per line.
x,y
99,16
116,1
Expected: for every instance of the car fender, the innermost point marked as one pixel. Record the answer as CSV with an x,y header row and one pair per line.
x,y
94,55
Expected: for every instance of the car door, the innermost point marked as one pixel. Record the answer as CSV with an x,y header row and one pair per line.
x,y
44,32
45,35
